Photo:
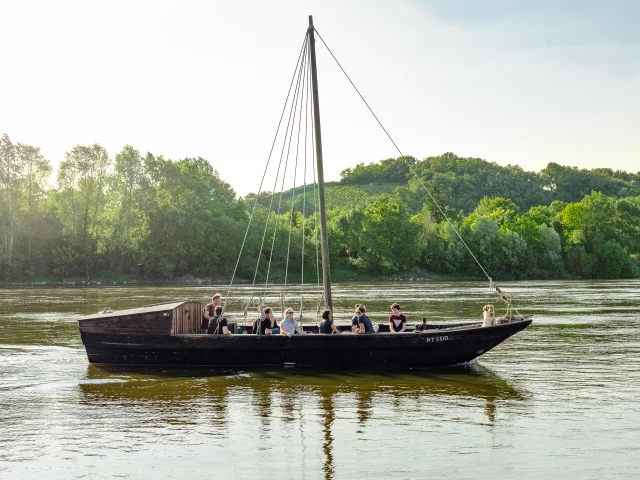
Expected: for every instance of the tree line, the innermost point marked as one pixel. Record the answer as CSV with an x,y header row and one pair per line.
x,y
460,183
144,217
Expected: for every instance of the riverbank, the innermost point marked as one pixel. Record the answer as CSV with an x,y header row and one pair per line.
x,y
337,276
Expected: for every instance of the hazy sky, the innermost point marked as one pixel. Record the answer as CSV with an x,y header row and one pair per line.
x,y
514,82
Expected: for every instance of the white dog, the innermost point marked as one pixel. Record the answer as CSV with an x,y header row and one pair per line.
x,y
489,316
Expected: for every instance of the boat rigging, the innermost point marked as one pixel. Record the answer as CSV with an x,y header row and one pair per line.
x,y
170,333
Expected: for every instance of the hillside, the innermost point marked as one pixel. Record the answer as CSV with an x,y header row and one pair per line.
x,y
460,183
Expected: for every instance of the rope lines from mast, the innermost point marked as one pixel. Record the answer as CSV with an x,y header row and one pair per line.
x,y
291,115
304,197
296,105
320,292
412,169
306,89
255,203
295,174
316,206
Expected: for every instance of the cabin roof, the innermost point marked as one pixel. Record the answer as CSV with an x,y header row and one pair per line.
x,y
159,307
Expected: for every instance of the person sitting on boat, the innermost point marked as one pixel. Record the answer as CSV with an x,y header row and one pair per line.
x,y
218,324
326,325
288,326
397,321
361,323
268,325
210,311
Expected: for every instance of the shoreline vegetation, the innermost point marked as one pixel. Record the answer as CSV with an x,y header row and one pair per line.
x,y
146,219
343,276
188,280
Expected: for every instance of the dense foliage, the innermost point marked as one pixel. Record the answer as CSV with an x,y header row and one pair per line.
x,y
460,183
146,217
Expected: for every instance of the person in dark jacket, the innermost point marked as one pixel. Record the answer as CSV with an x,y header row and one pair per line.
x,y
218,324
361,323
267,325
326,325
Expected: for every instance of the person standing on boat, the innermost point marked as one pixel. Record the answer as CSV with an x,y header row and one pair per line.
x,y
218,325
288,326
326,325
361,323
397,321
268,325
210,311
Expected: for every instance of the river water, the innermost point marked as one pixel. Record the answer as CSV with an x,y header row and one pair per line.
x,y
560,399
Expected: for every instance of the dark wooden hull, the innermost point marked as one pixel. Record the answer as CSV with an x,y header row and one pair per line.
x,y
433,347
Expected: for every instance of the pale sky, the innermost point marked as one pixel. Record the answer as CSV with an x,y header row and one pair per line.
x,y
513,82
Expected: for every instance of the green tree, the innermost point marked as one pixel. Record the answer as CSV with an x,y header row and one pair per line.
x,y
628,223
82,180
592,229
9,201
501,210
381,238
190,201
35,171
615,262
24,174
389,236
126,220
549,262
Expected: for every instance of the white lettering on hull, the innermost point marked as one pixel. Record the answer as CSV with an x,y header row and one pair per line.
x,y
437,339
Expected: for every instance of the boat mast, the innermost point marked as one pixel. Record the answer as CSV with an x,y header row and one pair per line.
x,y
326,275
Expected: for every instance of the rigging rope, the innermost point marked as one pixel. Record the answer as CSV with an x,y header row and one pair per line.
x,y
411,167
246,233
293,191
304,192
293,114
301,92
316,206
266,225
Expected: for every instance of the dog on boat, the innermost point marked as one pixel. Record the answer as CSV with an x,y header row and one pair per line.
x,y
489,316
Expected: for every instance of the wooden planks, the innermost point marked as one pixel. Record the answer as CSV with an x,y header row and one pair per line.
x,y
160,307
150,323
187,317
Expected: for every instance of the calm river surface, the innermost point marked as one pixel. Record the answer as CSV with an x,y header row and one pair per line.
x,y
559,400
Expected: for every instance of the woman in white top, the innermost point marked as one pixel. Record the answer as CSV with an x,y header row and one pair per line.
x,y
288,326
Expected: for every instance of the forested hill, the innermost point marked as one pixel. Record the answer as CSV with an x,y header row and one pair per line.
x,y
461,183
144,217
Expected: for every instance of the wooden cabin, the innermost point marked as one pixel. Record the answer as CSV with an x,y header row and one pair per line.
x,y
183,317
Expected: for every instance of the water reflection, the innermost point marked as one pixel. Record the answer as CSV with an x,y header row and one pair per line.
x,y
326,406
290,398
156,384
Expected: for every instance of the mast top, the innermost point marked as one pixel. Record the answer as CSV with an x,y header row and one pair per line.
x,y
310,21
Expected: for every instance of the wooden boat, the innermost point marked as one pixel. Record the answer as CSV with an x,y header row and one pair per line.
x,y
166,334
169,334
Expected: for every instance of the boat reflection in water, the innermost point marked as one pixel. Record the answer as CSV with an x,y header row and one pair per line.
x,y
270,402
